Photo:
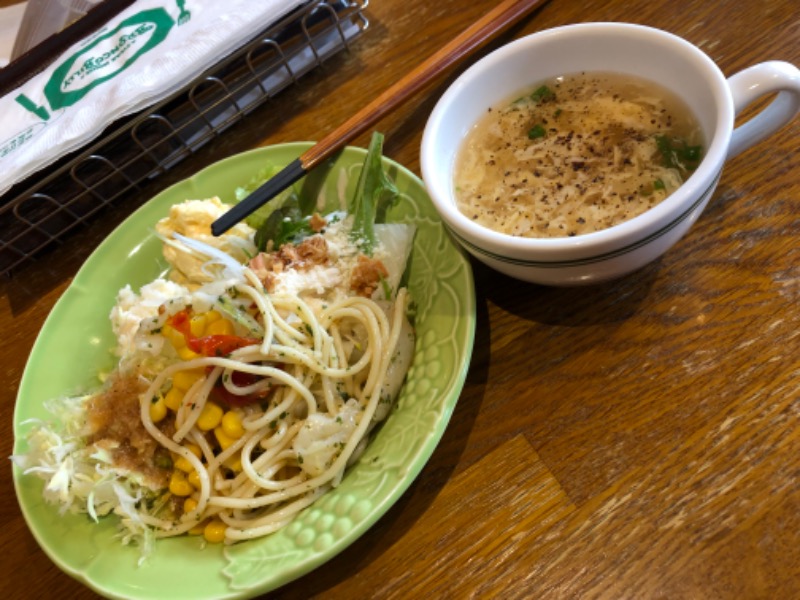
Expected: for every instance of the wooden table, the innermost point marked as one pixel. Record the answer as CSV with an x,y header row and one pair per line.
x,y
636,439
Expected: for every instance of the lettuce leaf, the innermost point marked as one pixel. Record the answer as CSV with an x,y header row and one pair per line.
x,y
286,217
268,220
375,194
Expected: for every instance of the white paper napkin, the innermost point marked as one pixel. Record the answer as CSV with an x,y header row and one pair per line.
x,y
150,50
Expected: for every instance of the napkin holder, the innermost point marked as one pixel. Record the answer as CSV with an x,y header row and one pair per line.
x,y
40,212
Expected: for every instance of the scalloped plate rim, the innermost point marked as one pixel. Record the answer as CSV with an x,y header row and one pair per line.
x,y
419,460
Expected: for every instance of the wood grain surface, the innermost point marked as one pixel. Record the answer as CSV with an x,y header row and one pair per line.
x,y
636,439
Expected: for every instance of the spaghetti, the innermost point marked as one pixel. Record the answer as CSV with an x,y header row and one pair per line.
x,y
242,395
343,352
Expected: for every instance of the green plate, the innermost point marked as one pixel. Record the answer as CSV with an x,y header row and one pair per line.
x,y
75,342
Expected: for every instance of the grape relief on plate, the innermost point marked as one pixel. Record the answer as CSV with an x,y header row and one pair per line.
x,y
399,449
440,280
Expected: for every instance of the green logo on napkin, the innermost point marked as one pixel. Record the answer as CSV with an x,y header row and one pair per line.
x,y
103,59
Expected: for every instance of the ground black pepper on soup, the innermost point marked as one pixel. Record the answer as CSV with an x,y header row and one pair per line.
x,y
576,154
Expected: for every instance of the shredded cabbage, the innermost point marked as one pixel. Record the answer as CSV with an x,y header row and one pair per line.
x,y
80,479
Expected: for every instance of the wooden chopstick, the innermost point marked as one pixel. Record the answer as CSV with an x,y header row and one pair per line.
x,y
491,24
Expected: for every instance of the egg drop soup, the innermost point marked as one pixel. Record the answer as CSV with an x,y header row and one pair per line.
x,y
576,155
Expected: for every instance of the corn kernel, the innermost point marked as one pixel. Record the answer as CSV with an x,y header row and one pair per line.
x,y
197,325
232,424
194,449
213,315
158,410
198,529
225,442
215,531
174,336
189,505
182,464
187,354
185,379
178,485
220,327
194,479
173,399
210,416
234,463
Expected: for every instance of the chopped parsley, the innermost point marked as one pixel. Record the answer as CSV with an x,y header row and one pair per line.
x,y
676,153
537,131
543,94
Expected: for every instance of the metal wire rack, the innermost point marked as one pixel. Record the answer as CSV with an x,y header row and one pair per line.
x,y
36,214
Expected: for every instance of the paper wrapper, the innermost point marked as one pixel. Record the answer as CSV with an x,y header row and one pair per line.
x,y
144,54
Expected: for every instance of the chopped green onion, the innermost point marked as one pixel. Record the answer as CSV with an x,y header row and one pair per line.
x,y
536,131
677,154
542,94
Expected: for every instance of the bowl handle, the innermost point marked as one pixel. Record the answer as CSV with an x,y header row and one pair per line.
x,y
751,84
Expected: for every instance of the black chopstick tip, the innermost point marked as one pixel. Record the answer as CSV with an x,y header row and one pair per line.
x,y
225,222
291,173
219,227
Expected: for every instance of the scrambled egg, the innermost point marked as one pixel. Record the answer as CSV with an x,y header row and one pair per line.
x,y
193,219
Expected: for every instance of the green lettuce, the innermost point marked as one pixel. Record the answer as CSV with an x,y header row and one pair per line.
x,y
375,194
286,217
280,219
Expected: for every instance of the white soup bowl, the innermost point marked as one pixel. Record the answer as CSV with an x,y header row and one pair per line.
x,y
602,47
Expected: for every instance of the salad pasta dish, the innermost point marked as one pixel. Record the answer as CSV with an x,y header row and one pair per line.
x,y
250,374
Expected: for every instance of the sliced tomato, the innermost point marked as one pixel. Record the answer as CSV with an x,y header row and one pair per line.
x,y
180,322
241,379
220,345
209,345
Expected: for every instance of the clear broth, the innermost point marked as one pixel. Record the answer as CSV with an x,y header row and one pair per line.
x,y
576,154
